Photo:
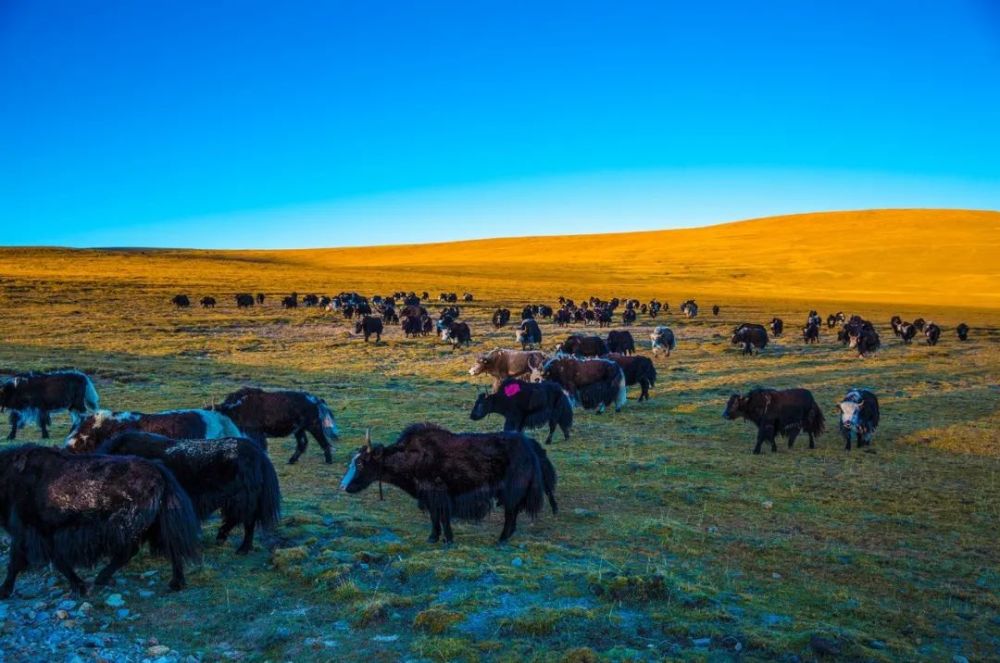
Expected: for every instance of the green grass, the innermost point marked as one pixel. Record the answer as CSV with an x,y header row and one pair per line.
x,y
670,531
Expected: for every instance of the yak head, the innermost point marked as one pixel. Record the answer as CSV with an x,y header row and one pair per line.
x,y
850,410
482,406
365,466
854,338
734,408
7,393
91,431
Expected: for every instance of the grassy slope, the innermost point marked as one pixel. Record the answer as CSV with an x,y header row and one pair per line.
x,y
670,530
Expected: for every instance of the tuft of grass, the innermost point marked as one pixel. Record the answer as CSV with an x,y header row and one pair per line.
x,y
436,621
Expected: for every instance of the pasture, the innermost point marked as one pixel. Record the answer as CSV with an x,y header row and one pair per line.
x,y
672,541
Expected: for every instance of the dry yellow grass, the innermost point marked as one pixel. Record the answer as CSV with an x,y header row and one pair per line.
x,y
930,257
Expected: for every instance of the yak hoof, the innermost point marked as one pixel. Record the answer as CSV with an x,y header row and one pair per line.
x,y
243,551
433,538
177,585
293,460
329,460
5,592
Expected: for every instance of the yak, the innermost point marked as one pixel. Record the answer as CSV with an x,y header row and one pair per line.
x,y
32,397
637,370
457,333
933,333
628,316
261,414
207,302
503,364
369,325
583,346
777,326
963,331
411,326
527,405
592,383
72,511
621,342
181,301
528,333
244,300
715,309
896,323
859,414
690,308
750,336
102,425
864,339
231,475
500,317
662,339
785,412
810,333
458,475
905,331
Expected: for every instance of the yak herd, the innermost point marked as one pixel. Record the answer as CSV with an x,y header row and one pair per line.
x,y
127,479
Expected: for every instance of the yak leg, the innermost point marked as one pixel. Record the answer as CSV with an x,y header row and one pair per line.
x,y
847,439
792,433
316,430
552,430
177,581
644,396
761,436
509,524
65,568
300,446
228,523
15,418
435,526
18,562
248,527
43,422
117,561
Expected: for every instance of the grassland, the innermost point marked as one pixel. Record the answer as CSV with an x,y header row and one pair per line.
x,y
673,541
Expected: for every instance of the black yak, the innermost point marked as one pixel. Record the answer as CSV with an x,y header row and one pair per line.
x,y
689,308
500,317
628,316
231,475
181,301
715,309
810,333
208,302
933,333
750,336
244,300
963,331
260,298
906,332
527,405
583,346
859,413
368,326
785,412
457,333
459,475
621,342
77,510
662,339
411,326
528,333
32,397
637,370
592,383
863,338
777,326
261,414
93,430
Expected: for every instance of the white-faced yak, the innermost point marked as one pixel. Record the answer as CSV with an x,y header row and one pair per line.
x,y
75,511
662,339
785,412
528,333
92,431
232,475
592,383
527,405
859,414
459,475
32,397
261,414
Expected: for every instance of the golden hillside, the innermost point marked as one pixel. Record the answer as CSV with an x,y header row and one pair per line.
x,y
934,257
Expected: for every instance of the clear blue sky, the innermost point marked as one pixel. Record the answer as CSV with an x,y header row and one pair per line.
x,y
278,124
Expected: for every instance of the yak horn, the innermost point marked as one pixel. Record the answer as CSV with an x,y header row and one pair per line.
x,y
368,438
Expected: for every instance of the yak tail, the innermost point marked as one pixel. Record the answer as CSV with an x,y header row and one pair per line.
x,y
269,500
178,532
622,396
815,422
564,414
91,401
326,420
548,478
651,374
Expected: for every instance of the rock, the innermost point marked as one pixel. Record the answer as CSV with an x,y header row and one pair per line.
x,y
158,650
824,646
767,504
701,642
517,561
776,576
958,658
114,601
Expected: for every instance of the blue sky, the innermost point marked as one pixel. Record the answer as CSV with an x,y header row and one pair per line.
x,y
244,124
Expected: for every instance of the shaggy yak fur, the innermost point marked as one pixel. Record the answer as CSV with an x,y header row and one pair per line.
x,y
177,424
261,414
74,511
32,397
785,412
459,475
583,346
638,370
503,364
527,405
621,342
859,414
592,383
231,474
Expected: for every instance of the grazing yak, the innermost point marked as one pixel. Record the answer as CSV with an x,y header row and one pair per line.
x,y
503,364
32,397
583,346
906,332
459,475
662,339
621,342
859,414
628,316
637,370
244,300
919,324
933,333
896,323
831,321
291,301
592,383
777,326
814,318
261,414
963,331
102,425
458,333
528,333
785,412
71,511
181,301
527,405
369,325
208,302
689,308
411,325
231,475
260,298
810,333
715,309
562,317
500,318
750,336
863,338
